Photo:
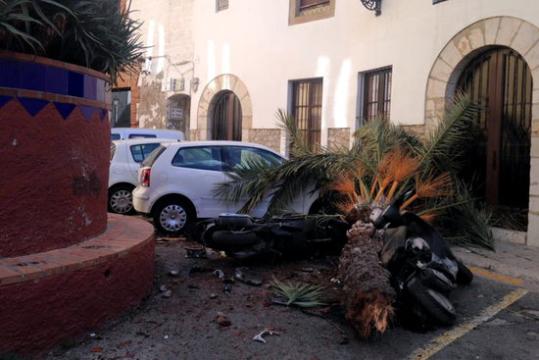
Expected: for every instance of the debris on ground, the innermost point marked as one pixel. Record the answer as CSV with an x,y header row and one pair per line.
x,y
199,269
163,288
222,320
260,336
96,349
195,253
239,274
213,296
167,294
174,273
219,274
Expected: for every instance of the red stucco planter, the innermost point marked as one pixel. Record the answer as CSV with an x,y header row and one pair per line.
x,y
66,267
54,146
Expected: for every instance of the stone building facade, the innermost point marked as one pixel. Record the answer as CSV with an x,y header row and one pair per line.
x,y
335,65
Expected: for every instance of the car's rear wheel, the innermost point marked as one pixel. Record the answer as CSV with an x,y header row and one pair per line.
x,y
173,216
121,199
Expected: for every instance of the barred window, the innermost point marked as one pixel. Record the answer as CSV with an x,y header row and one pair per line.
x,y
377,94
308,4
307,109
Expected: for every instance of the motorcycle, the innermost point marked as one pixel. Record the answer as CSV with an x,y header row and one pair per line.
x,y
423,268
242,236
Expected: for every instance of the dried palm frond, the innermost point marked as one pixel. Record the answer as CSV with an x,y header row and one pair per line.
x,y
437,187
297,294
403,168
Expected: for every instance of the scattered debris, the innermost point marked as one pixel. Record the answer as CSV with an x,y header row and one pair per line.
x,y
167,294
92,335
174,273
163,288
165,337
213,296
143,334
222,320
227,288
239,274
196,253
219,273
260,336
199,269
96,349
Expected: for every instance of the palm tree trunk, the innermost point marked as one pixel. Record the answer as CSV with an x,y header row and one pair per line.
x,y
368,295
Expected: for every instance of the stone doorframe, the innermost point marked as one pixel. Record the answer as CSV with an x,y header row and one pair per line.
x,y
218,84
514,33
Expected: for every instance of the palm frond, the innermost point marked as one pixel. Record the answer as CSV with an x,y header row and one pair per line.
x,y
297,294
446,145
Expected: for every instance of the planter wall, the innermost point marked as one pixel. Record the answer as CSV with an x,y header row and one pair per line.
x,y
55,149
66,267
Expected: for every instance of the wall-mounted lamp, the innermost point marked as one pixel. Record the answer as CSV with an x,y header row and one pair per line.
x,y
373,5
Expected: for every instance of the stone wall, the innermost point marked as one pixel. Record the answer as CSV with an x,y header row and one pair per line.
x,y
338,138
267,137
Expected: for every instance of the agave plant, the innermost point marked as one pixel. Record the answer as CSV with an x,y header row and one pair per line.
x,y
92,33
384,162
297,294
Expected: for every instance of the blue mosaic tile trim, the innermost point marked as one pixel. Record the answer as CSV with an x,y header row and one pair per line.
x,y
39,77
4,99
64,109
33,106
87,111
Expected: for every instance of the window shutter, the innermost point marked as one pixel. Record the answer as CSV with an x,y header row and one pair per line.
x,y
305,4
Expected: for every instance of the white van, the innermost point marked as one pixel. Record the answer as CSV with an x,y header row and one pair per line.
x,y
134,133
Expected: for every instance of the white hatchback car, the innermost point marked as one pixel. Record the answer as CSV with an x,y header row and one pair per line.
x,y
177,180
137,133
125,159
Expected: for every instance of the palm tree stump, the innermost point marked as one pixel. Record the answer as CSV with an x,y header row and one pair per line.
x,y
368,295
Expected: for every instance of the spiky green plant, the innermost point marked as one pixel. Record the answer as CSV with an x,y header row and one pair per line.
x,y
439,155
92,33
297,294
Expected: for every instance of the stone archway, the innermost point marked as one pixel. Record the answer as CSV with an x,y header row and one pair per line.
x,y
514,33
218,84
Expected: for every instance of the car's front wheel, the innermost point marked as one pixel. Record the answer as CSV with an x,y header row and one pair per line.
x,y
173,217
121,199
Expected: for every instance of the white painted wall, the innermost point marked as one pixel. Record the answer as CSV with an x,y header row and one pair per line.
x,y
252,40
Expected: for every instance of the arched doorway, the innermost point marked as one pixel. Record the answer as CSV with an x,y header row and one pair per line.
x,y
225,117
500,80
178,113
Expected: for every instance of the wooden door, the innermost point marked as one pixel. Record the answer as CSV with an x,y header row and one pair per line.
x,y
501,82
226,117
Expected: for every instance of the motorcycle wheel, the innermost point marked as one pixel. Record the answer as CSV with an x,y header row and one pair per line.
x,y
433,302
464,275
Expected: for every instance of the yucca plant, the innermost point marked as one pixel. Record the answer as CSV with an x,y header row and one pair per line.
x,y
92,33
297,294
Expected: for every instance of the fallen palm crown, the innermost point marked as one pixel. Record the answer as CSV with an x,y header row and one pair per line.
x,y
383,163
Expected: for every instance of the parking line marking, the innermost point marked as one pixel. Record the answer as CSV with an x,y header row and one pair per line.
x,y
451,335
506,279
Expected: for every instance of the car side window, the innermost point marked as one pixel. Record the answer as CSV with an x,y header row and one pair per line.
x,y
136,136
115,136
140,152
201,158
237,156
